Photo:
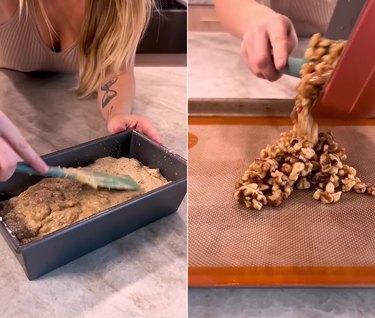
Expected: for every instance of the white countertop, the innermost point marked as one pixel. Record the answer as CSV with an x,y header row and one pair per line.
x,y
281,303
216,70
140,275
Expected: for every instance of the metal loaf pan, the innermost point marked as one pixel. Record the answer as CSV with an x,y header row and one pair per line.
x,y
58,248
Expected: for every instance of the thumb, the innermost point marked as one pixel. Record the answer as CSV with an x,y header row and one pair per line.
x,y
116,126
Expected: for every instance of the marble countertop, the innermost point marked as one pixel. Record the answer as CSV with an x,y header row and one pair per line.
x,y
216,70
140,275
281,303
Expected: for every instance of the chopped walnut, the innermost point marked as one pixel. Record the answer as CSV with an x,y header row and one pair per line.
x,y
330,188
296,170
370,190
276,198
303,184
360,187
347,184
251,195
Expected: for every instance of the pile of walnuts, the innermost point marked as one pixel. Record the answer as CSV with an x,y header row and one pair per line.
x,y
303,158
291,163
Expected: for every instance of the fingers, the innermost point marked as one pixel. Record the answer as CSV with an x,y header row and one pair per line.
x,y
120,123
10,133
280,50
116,126
293,39
256,53
263,59
265,48
283,40
8,160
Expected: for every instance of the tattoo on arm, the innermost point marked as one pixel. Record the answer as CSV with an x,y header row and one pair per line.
x,y
109,93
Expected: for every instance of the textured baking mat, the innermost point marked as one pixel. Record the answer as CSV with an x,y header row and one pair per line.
x,y
301,242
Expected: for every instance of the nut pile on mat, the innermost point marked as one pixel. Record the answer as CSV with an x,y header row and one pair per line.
x,y
303,158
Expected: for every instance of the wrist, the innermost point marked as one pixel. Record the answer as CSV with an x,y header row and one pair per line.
x,y
257,14
113,113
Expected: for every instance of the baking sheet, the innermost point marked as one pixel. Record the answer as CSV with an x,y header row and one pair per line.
x,y
301,242
237,107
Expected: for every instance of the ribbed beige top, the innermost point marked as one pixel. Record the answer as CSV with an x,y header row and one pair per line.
x,y
308,16
22,47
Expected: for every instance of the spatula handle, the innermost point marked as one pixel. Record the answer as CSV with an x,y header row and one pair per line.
x,y
26,169
52,171
294,66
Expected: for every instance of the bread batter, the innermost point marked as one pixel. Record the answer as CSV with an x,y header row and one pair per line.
x,y
54,203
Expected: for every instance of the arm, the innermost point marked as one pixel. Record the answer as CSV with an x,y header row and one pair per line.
x,y
116,94
264,34
115,101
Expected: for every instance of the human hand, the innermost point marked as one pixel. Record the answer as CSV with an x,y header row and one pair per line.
x,y
120,122
273,36
14,148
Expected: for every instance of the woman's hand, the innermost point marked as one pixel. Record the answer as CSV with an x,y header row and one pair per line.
x,y
120,122
272,36
14,148
116,98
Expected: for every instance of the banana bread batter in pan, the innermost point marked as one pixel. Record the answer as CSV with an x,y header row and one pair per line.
x,y
54,203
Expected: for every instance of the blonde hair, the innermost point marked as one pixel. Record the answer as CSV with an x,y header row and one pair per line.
x,y
108,40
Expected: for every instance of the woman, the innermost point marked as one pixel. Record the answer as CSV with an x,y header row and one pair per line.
x,y
96,39
270,27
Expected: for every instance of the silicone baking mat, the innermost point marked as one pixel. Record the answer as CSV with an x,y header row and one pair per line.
x,y
300,243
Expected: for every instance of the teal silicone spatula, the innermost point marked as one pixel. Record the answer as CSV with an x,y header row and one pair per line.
x,y
93,178
294,66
